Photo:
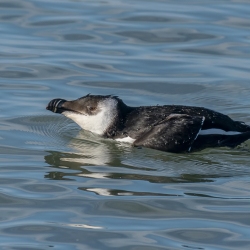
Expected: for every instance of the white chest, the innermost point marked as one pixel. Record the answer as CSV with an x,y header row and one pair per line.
x,y
126,139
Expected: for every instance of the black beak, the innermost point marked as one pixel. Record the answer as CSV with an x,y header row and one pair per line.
x,y
55,105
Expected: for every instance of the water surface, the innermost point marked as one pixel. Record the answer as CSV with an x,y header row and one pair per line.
x,y
64,188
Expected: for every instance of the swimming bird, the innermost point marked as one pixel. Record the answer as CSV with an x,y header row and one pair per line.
x,y
171,128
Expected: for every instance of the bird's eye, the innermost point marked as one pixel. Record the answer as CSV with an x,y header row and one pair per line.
x,y
91,108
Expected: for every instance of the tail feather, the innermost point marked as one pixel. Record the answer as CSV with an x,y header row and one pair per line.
x,y
235,140
217,140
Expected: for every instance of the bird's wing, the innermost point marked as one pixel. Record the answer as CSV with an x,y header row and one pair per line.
x,y
176,133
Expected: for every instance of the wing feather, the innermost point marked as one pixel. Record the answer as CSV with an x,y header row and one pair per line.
x,y
176,133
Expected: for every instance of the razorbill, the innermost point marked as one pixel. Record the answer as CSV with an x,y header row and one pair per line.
x,y
172,128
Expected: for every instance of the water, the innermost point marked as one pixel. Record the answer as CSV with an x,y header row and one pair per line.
x,y
63,188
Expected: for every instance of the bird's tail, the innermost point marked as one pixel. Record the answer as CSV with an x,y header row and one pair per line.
x,y
217,140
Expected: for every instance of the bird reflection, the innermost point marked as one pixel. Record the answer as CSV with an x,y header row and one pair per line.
x,y
96,158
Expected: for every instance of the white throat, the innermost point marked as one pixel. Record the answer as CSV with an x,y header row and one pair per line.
x,y
96,123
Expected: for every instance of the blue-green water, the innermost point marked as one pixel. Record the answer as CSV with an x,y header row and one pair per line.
x,y
63,188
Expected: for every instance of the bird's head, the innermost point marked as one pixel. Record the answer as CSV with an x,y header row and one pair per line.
x,y
95,113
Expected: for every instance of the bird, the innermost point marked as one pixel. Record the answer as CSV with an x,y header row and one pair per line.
x,y
170,128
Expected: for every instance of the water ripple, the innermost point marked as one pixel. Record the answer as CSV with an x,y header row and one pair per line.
x,y
65,188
